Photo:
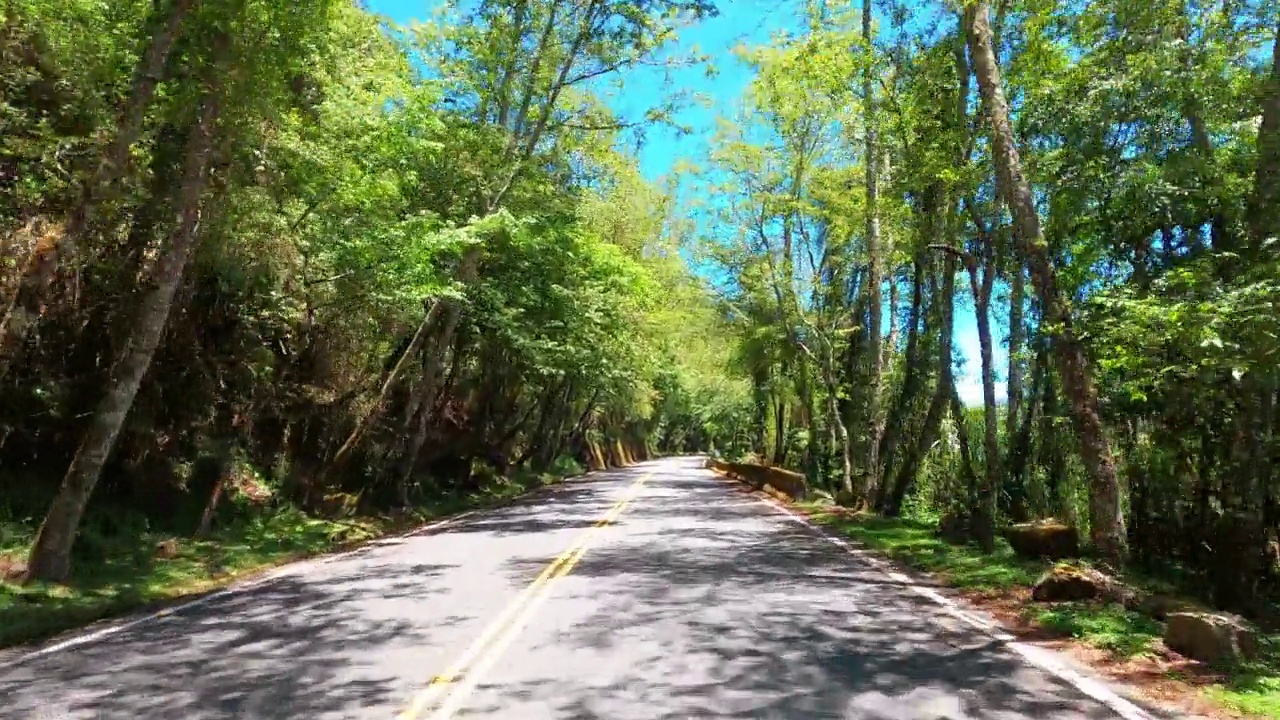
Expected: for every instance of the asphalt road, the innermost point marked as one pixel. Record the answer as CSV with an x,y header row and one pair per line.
x,y
696,601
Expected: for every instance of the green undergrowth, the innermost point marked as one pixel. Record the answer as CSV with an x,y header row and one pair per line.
x,y
1252,688
122,573
1255,687
914,544
1124,633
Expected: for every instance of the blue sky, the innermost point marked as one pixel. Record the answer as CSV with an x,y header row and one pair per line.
x,y
740,21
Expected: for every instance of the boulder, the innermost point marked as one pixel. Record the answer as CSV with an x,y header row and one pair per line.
x,y
1066,583
1043,539
167,549
1210,637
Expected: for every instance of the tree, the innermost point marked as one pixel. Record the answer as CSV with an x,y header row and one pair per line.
x,y
1106,520
23,309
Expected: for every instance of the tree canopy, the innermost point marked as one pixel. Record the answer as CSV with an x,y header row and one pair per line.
x,y
1094,184
349,258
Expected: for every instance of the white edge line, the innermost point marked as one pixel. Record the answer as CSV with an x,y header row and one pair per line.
x,y
1039,657
232,589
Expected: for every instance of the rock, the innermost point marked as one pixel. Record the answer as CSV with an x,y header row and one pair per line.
x,y
1043,539
167,549
1210,637
1065,582
954,528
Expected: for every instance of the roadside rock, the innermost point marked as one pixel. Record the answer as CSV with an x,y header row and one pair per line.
x,y
1210,637
1065,582
1046,538
167,549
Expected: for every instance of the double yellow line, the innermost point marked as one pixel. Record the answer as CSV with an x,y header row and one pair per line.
x,y
449,690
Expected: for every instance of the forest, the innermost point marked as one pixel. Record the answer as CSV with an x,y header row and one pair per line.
x,y
1097,187
264,259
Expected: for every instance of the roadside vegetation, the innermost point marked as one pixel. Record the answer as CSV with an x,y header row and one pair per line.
x,y
275,278
1001,582
1080,201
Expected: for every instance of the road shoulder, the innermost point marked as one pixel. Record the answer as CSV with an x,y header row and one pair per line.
x,y
1094,672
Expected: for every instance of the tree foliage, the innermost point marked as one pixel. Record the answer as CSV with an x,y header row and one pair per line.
x,y
419,258
1093,185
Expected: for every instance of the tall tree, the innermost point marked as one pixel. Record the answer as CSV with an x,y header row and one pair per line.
x,y
875,260
1106,521
1264,202
51,554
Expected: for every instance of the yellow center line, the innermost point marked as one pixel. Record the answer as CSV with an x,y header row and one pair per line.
x,y
489,646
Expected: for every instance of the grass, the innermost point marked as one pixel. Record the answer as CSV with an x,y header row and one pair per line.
x,y
122,574
1251,688
1123,633
914,544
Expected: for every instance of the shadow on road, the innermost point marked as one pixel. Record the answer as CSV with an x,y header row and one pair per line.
x,y
272,652
342,640
697,603
723,612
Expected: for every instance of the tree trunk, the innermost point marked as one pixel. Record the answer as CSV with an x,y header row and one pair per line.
x,y
760,399
1017,335
545,409
967,473
1106,520
915,455
945,298
51,555
432,388
1264,204
579,431
24,308
984,509
211,508
1050,454
1020,445
389,384
780,431
555,443
911,382
891,340
1220,236
875,271
985,517
838,430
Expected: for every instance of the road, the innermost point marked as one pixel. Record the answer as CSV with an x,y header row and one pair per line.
x,y
695,601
